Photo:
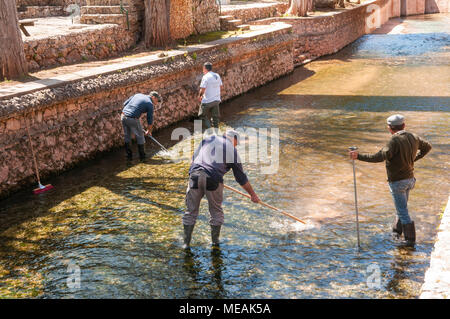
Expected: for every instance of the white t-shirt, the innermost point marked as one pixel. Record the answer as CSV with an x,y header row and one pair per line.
x,y
211,82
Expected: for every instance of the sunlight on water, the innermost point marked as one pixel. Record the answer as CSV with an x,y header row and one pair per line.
x,y
293,226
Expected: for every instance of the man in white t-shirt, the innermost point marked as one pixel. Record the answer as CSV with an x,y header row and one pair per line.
x,y
209,95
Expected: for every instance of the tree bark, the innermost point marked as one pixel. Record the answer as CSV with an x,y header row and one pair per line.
x,y
157,15
13,63
300,7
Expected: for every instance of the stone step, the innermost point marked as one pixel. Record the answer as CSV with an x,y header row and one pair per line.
x,y
120,19
235,22
226,18
103,9
105,2
229,23
243,27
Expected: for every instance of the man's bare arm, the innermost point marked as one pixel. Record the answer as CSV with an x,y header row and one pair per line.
x,y
249,189
200,93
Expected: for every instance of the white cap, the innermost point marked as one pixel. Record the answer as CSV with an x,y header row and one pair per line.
x,y
396,119
230,133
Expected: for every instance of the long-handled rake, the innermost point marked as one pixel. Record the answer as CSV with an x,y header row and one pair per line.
x,y
265,204
160,145
41,188
354,148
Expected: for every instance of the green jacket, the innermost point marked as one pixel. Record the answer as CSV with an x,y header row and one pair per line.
x,y
400,153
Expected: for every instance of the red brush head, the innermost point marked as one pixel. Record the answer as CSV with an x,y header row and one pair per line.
x,y
42,190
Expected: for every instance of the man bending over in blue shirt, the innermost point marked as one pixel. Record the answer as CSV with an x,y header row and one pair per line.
x,y
131,113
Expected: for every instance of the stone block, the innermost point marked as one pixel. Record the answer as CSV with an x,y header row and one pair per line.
x,y
13,124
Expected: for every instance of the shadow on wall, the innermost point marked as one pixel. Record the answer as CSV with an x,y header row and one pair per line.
x,y
432,6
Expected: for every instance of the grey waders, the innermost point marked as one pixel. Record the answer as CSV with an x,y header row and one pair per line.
x,y
409,230
142,154
397,228
188,229
215,234
128,151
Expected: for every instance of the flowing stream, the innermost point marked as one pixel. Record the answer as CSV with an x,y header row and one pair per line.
x,y
117,226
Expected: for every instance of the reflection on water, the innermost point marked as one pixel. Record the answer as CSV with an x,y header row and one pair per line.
x,y
121,224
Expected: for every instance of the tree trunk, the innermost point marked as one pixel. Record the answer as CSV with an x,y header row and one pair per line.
x,y
300,7
157,32
12,57
341,3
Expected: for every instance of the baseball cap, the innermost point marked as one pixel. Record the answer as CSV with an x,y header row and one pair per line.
x,y
232,134
156,94
396,119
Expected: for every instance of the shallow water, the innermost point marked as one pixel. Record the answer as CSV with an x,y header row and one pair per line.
x,y
121,223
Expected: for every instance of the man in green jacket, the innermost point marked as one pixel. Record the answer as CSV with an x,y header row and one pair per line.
x,y
400,153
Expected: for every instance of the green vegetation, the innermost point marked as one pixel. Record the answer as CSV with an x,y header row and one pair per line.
x,y
208,37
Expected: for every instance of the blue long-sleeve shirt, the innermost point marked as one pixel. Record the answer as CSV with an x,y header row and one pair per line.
x,y
138,104
217,155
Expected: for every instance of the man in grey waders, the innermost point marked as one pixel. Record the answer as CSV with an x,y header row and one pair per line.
x,y
215,156
131,113
400,153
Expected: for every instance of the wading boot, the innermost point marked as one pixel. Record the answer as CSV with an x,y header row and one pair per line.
x,y
397,228
215,234
409,230
141,150
128,151
188,229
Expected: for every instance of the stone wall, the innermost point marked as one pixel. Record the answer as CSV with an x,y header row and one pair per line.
x,y
41,12
94,42
322,35
259,11
205,15
49,2
181,19
435,6
412,7
137,10
73,121
45,3
45,8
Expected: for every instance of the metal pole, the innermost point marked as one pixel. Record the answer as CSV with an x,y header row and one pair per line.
x,y
162,147
354,148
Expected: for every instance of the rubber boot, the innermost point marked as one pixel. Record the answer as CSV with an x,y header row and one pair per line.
x,y
128,151
141,150
409,231
397,228
188,229
215,234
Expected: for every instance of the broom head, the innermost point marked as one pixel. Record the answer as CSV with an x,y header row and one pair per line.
x,y
42,189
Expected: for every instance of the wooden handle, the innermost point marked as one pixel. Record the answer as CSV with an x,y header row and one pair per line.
x,y
32,152
264,204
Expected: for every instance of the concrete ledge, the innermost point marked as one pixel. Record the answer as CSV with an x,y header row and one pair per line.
x,y
437,278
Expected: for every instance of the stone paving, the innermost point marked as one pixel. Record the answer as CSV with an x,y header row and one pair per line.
x,y
53,26
437,278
